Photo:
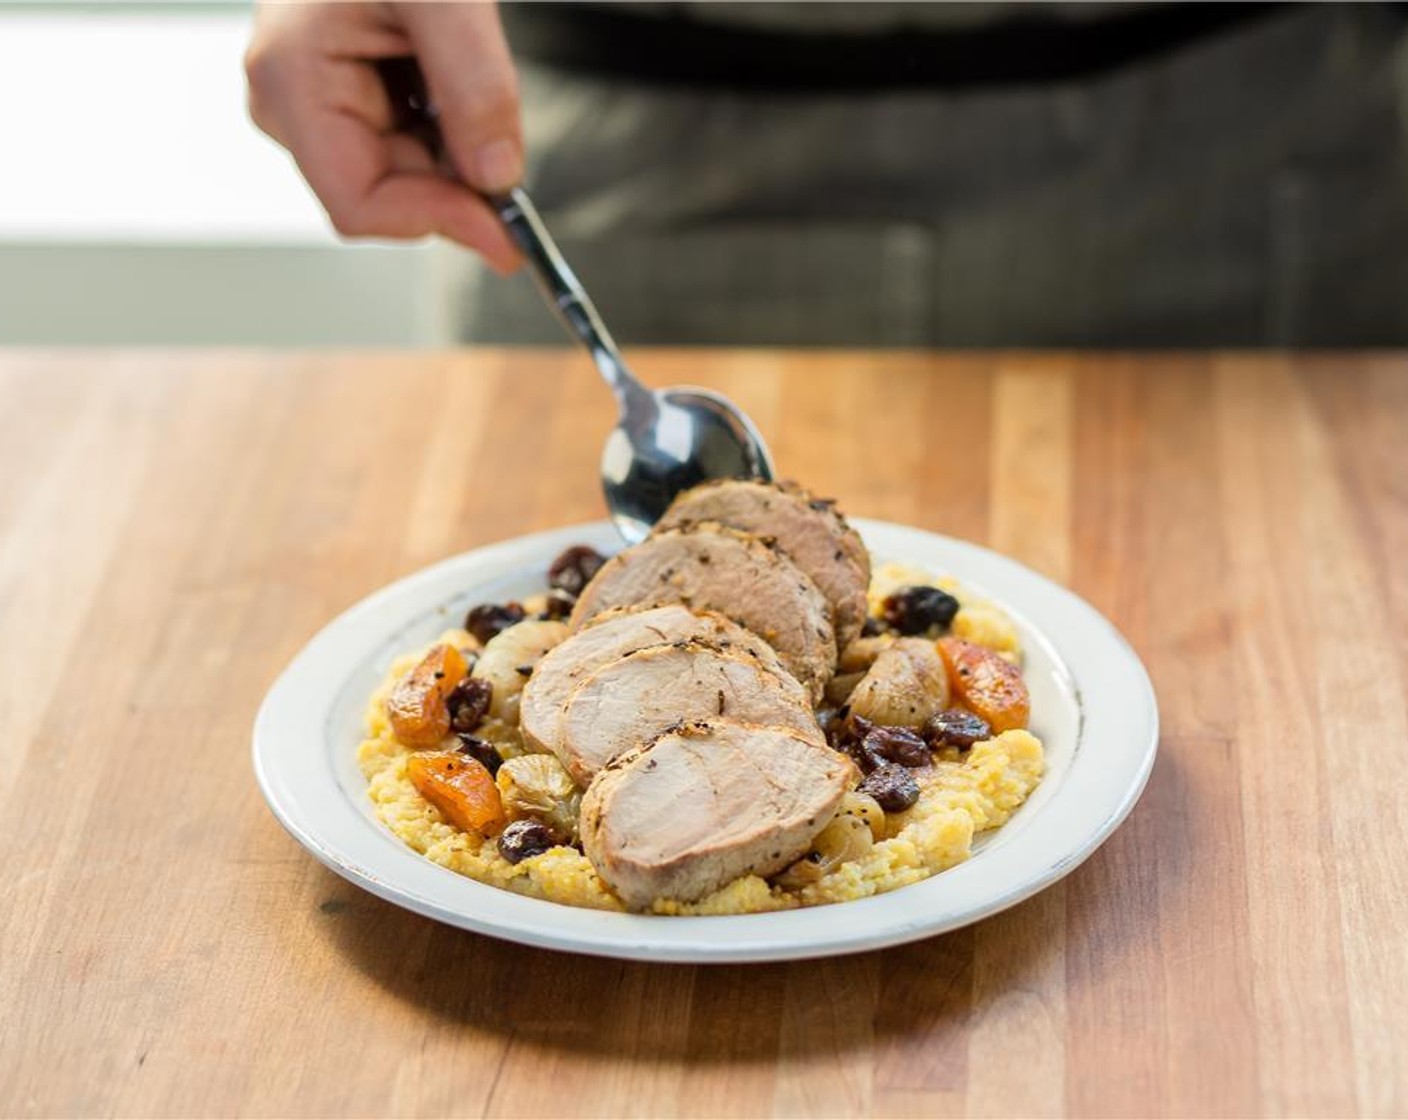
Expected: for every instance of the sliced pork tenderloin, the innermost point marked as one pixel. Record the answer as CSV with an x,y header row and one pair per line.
x,y
698,807
709,566
811,532
628,702
614,634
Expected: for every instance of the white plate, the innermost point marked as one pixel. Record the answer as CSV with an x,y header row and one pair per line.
x,y
1092,706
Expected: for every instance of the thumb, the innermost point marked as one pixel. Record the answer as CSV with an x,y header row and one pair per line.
x,y
465,58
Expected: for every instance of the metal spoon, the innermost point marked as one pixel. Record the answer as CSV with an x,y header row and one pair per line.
x,y
665,440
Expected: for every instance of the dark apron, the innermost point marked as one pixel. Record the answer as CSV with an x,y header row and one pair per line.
x,y
1242,188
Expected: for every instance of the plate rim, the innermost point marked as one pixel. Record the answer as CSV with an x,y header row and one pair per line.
x,y
644,937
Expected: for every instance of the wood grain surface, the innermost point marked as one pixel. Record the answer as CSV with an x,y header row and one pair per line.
x,y
174,526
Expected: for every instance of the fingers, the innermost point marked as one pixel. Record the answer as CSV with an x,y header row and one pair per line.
x,y
311,90
407,154
375,186
466,61
289,68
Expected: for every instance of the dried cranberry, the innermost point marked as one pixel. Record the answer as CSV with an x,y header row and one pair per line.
x,y
859,726
558,606
524,839
489,619
844,732
574,568
956,728
893,787
896,744
482,752
866,757
468,703
913,610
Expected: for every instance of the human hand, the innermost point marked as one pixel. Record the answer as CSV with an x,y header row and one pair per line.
x,y
313,88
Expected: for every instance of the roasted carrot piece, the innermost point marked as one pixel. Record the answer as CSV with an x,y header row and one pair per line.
x,y
986,684
461,788
416,706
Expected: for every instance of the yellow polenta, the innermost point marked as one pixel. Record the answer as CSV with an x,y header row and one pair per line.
x,y
960,795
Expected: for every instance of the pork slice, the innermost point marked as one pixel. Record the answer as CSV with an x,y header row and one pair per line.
x,y
702,805
713,567
628,702
614,634
811,532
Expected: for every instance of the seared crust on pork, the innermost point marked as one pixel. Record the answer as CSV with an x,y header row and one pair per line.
x,y
709,566
628,702
614,634
809,530
692,811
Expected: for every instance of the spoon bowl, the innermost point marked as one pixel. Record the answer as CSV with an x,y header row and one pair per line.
x,y
679,438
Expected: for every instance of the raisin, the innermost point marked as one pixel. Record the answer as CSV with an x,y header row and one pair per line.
x,y
872,627
558,606
913,610
842,731
893,788
468,703
956,728
866,757
482,752
873,746
489,619
896,744
524,839
574,568
837,736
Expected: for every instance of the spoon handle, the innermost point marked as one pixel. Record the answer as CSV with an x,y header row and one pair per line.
x,y
562,290
417,115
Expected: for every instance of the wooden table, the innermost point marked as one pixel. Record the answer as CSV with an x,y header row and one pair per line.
x,y
174,526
